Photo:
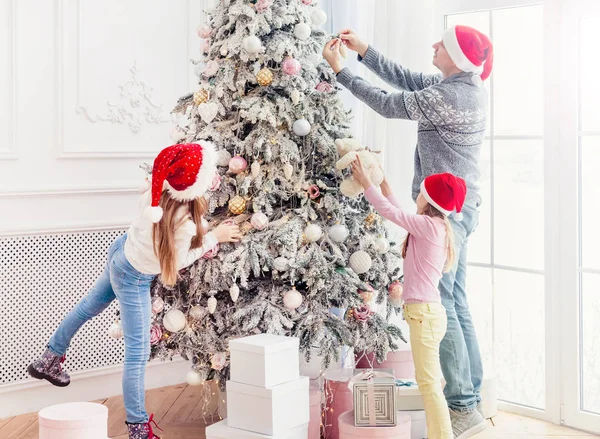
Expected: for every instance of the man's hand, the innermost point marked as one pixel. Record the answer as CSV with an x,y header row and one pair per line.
x,y
353,42
227,233
360,174
331,53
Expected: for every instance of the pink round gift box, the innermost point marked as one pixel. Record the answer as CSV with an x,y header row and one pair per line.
x,y
401,362
74,420
338,399
349,431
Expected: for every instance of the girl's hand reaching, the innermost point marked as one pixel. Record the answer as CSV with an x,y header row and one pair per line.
x,y
353,42
227,233
360,174
331,53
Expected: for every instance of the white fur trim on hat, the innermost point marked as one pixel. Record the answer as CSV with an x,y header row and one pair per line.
x,y
457,55
203,179
458,216
433,203
476,80
153,213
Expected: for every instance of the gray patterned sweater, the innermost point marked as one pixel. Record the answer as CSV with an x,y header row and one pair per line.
x,y
451,114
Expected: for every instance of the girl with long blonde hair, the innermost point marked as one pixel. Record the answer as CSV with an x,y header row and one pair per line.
x,y
428,252
166,237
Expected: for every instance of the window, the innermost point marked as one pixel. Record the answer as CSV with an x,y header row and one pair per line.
x,y
506,253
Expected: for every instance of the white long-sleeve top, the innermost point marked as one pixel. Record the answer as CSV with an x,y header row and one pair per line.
x,y
139,246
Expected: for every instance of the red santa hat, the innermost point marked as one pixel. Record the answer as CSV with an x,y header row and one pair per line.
x,y
470,50
185,170
445,192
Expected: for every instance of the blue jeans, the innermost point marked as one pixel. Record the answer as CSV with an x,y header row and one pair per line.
x,y
118,280
459,349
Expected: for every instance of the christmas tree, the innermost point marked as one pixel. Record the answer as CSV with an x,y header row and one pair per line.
x,y
311,243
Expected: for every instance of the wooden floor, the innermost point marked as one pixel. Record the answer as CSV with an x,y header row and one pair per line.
x,y
178,410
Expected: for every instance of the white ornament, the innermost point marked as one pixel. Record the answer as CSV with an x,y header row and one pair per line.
x,y
157,305
196,312
255,169
281,264
194,378
234,292
292,299
301,127
224,51
116,330
302,31
382,245
338,233
313,233
259,221
211,304
223,158
318,17
360,262
252,44
174,320
288,171
208,111
295,95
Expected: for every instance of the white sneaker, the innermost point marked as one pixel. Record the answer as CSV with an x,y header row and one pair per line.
x,y
467,424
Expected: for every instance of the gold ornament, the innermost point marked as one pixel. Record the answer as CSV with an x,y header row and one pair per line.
x,y
201,96
370,219
237,205
264,77
165,335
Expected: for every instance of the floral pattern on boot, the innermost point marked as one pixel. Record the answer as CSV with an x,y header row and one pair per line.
x,y
49,367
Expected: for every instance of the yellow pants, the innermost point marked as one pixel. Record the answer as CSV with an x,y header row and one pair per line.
x,y
427,322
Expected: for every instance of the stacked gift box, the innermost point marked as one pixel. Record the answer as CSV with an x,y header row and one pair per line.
x,y
266,396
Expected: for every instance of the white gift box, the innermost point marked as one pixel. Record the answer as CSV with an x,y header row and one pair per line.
x,y
264,360
270,411
74,420
409,398
418,424
221,430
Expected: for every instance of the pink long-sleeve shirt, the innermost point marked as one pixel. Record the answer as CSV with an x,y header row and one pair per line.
x,y
426,254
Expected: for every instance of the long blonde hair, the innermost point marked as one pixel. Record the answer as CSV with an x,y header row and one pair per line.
x,y
163,233
431,211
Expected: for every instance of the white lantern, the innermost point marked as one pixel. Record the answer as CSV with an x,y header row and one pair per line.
x,y
259,221
196,312
281,264
360,262
302,31
338,233
292,299
116,330
174,320
194,378
223,157
318,17
234,292
252,44
382,245
211,304
301,127
313,233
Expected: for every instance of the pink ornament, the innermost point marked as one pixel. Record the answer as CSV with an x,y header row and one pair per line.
x,y
155,334
395,290
307,2
216,183
263,5
259,221
324,87
211,69
238,164
205,46
218,360
314,192
291,66
367,295
157,305
211,253
204,31
362,313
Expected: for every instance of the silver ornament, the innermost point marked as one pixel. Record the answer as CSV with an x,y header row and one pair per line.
x,y
197,312
174,320
301,127
288,171
338,233
223,158
116,330
360,262
281,264
313,233
382,245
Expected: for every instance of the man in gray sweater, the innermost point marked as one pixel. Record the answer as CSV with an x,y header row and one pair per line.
x,y
451,110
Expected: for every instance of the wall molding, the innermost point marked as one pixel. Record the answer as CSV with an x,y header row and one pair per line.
x,y
10,152
33,395
72,190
